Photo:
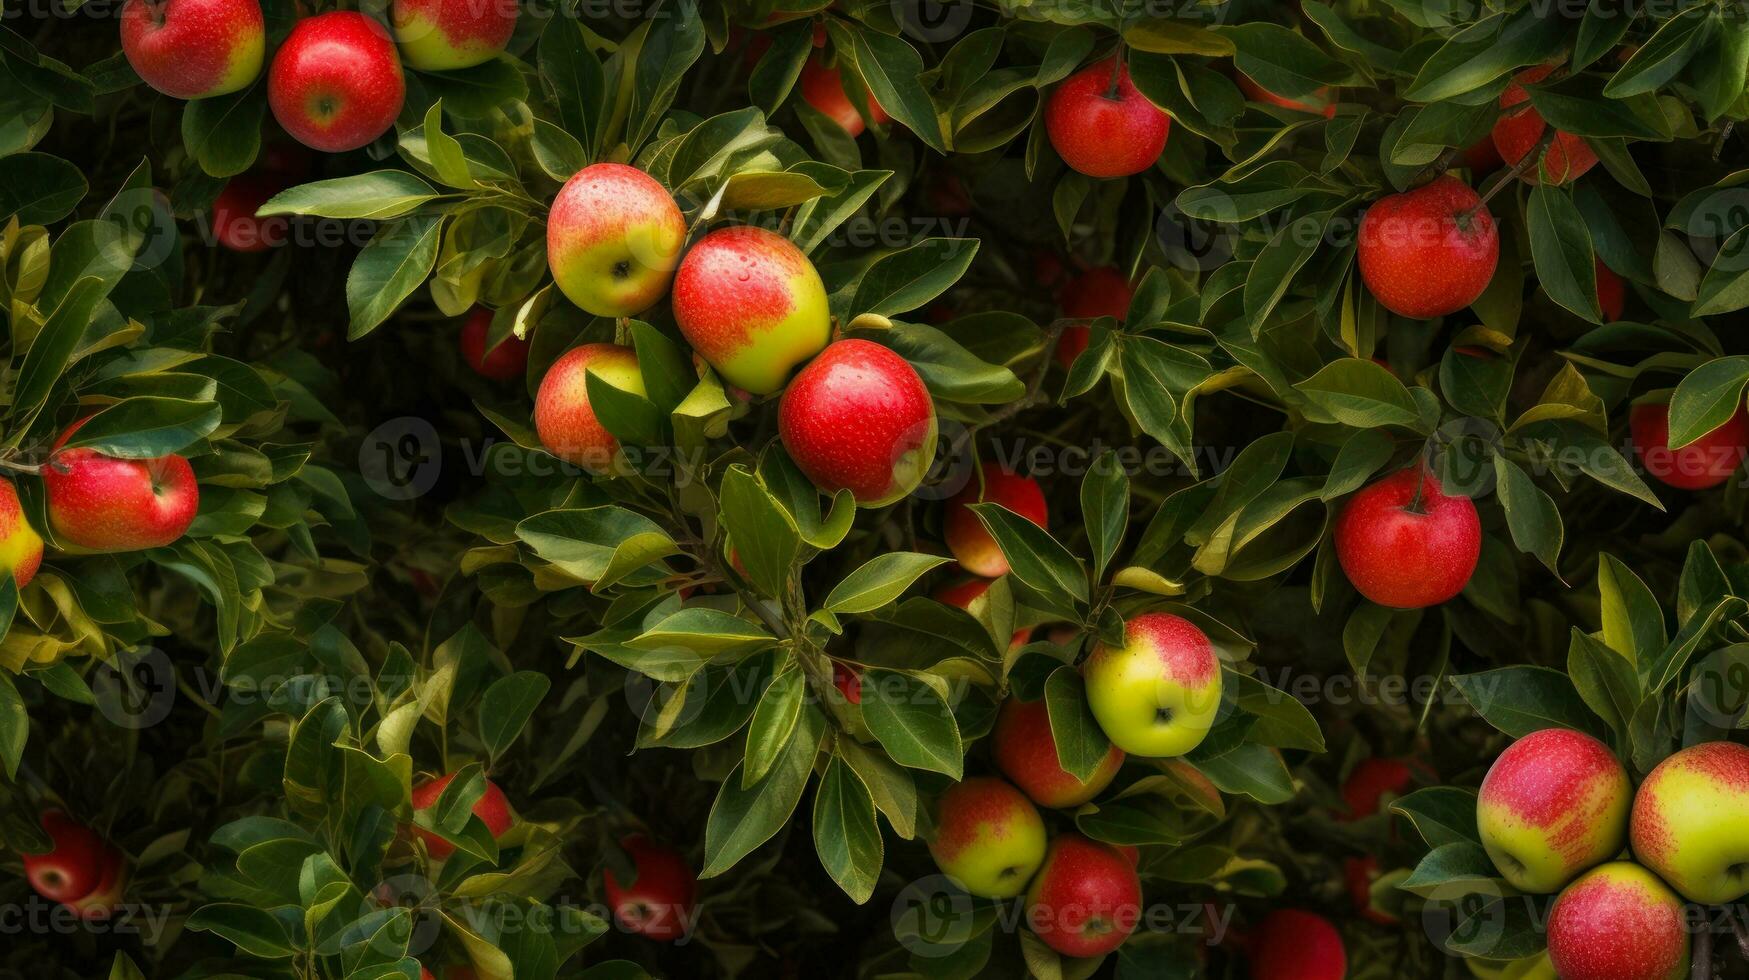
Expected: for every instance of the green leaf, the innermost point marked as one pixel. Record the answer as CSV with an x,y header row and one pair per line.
x,y
588,542
223,133
1523,699
1707,398
1560,246
742,818
1633,623
1034,557
38,188
705,631
765,536
147,427
1531,514
894,73
573,75
253,931
52,348
14,721
951,372
908,279
1280,60
1441,814
396,261
1605,679
1361,394
774,720
912,722
380,194
507,705
1105,508
880,581
845,835
1081,743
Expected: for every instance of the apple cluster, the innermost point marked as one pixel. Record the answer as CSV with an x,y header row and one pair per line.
x,y
1556,812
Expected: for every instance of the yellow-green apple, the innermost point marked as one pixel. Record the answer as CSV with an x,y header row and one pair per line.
x,y
563,418
859,418
966,537
962,595
1553,805
614,236
1691,822
988,837
751,304
1086,898
505,362
80,870
1101,125
1290,944
336,82
1405,543
492,808
194,49
1157,695
1705,463
1100,291
101,503
443,35
1429,251
1618,922
1026,752
1521,129
823,88
21,548
1321,104
658,903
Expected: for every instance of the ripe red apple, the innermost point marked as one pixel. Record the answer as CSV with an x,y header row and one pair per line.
x,y
194,49
659,903
1101,126
505,362
988,837
966,537
101,503
443,35
1320,106
563,418
1521,128
1358,874
859,418
21,548
1554,804
1612,293
336,82
1086,898
234,223
1619,922
847,681
75,864
1404,543
613,239
1371,779
823,88
962,594
751,304
1430,251
1101,291
111,884
1293,945
1026,752
492,808
1703,464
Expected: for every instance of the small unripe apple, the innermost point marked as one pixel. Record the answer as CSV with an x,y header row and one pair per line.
x,y
1158,696
962,595
505,362
1321,104
101,503
750,303
1290,944
234,223
443,35
1101,126
1703,464
1618,922
1689,821
1405,544
658,904
194,49
492,808
823,88
859,418
563,418
1612,293
988,837
1430,251
336,82
21,548
1100,291
1521,128
1026,752
1086,899
966,536
614,236
1552,806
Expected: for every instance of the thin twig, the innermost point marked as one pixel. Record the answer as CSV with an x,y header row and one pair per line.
x,y
1703,956
1531,159
1739,929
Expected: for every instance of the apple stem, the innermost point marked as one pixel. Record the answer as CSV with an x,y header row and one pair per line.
x,y
1531,159
1117,63
1703,955
1420,484
7,462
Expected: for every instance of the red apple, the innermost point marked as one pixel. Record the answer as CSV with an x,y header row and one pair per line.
x,y
1293,945
1101,126
21,548
563,418
1612,293
492,808
1370,780
505,362
1521,128
823,88
1430,251
1026,752
75,865
101,503
194,49
859,418
443,35
1554,804
749,302
659,903
989,837
962,594
614,236
234,223
1404,543
847,681
1481,158
1101,291
1359,873
1320,106
1619,922
966,537
1703,464
336,82
1086,899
